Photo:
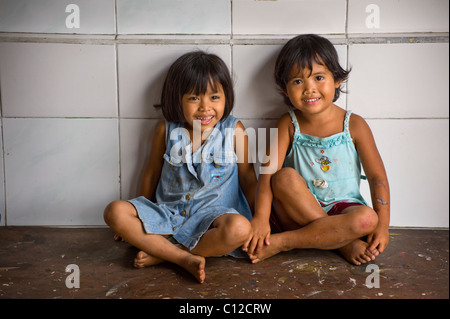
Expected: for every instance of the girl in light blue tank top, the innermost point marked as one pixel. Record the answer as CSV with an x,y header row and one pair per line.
x,y
321,149
330,166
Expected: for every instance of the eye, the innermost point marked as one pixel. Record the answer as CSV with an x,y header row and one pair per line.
x,y
193,98
215,97
297,82
319,77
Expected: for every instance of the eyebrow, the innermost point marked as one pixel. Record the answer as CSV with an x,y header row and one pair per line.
x,y
299,75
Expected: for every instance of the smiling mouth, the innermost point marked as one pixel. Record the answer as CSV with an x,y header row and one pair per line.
x,y
205,120
312,100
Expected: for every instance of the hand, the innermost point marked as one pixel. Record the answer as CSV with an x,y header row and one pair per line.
x,y
260,236
378,240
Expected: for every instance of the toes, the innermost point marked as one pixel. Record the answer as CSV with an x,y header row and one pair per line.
x,y
141,255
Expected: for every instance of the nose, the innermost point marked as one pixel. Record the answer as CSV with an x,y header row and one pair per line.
x,y
203,104
310,87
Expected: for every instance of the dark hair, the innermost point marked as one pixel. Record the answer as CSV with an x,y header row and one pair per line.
x,y
301,51
193,72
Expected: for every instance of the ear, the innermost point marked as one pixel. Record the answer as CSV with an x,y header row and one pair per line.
x,y
337,83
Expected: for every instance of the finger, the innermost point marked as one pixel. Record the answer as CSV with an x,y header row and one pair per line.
x,y
381,247
259,246
373,245
245,245
252,246
267,240
369,255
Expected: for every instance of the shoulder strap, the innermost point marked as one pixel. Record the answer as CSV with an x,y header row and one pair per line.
x,y
347,120
294,121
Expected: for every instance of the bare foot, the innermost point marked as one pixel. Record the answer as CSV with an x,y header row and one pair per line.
x,y
267,250
144,260
356,252
192,263
196,266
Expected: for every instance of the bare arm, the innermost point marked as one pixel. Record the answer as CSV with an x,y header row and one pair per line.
x,y
377,178
264,196
247,176
155,162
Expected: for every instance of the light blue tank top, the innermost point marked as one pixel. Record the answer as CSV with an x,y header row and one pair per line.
x,y
330,165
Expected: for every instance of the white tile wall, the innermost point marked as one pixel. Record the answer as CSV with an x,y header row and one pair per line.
x,y
174,17
77,113
288,16
49,16
397,16
399,80
60,171
58,80
412,152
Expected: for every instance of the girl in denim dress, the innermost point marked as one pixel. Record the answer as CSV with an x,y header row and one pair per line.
x,y
197,193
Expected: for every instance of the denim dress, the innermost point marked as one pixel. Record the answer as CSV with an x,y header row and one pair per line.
x,y
330,165
195,188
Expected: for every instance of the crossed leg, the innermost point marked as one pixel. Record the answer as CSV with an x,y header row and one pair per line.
x,y
308,226
228,232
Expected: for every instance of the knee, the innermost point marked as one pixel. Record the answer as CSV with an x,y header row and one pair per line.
x,y
237,230
365,222
285,179
114,212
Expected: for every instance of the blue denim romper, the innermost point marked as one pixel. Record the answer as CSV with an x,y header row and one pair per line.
x,y
195,189
330,165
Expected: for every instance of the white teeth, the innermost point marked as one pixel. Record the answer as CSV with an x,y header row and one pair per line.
x,y
312,100
205,118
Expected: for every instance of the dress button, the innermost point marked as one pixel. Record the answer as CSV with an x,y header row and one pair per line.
x,y
183,212
188,196
216,165
174,228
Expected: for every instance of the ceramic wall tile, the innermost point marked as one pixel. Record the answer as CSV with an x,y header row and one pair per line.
x,y
58,16
386,16
399,80
289,16
58,80
60,171
136,142
412,151
2,186
142,70
174,17
257,95
77,103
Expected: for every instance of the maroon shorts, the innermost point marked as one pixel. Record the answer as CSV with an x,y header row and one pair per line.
x,y
337,209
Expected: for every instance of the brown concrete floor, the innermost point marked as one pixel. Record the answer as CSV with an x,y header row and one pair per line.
x,y
33,261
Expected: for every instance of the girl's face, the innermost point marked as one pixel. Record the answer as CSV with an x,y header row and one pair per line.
x,y
206,108
311,91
